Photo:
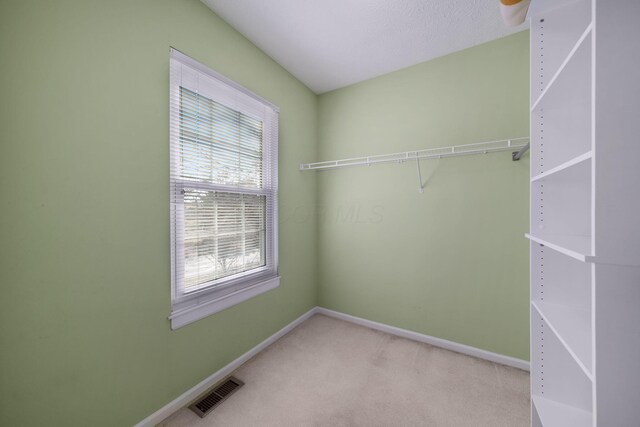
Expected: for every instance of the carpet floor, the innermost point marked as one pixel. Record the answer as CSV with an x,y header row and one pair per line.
x,y
329,372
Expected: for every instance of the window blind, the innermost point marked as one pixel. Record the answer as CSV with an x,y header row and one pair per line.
x,y
223,173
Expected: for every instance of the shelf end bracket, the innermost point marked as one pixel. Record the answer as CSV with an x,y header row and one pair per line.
x,y
516,155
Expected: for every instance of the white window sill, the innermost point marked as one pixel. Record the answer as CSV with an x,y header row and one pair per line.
x,y
180,318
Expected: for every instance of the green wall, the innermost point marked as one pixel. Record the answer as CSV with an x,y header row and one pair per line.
x,y
84,223
452,262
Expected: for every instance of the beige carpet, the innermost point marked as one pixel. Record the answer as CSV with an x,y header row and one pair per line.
x,y
328,372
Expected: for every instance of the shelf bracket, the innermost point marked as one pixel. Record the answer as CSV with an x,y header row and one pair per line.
x,y
420,184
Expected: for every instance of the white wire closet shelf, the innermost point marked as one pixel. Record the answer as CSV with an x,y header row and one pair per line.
x,y
520,144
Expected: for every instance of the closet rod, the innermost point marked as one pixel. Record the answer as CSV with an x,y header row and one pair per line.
x,y
429,153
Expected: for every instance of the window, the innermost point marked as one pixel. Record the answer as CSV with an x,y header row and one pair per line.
x,y
223,176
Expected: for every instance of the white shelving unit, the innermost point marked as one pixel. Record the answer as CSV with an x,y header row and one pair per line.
x,y
585,213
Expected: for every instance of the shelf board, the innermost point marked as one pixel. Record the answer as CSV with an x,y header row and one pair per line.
x,y
552,413
577,247
586,33
564,166
629,262
572,327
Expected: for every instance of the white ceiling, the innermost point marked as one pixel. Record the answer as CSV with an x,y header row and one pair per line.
x,y
329,44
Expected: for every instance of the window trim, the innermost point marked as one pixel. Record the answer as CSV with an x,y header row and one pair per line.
x,y
187,60
213,305
190,306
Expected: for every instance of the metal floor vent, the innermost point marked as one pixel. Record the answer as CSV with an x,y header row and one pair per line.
x,y
215,397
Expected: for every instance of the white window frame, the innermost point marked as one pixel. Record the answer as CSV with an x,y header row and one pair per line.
x,y
189,306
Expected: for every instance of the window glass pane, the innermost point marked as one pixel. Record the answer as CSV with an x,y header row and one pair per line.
x,y
224,235
218,144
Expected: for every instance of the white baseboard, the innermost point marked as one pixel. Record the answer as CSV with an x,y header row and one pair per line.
x,y
438,342
189,395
